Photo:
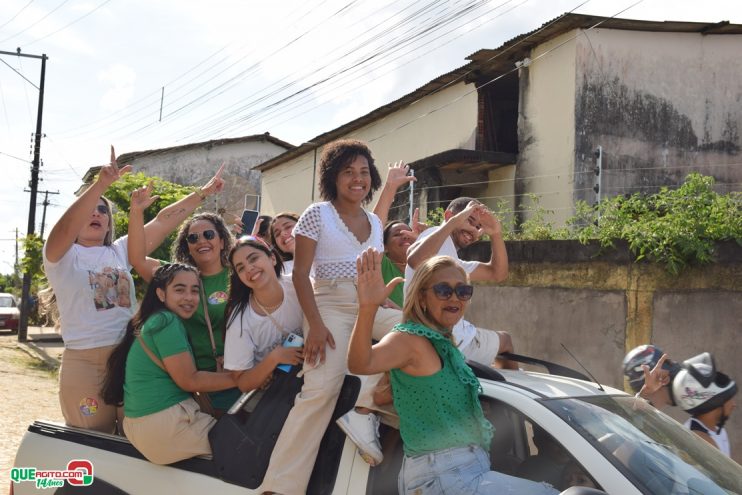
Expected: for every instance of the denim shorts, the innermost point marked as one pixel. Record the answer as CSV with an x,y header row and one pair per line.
x,y
462,470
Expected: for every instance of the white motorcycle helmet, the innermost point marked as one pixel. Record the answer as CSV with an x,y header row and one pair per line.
x,y
698,388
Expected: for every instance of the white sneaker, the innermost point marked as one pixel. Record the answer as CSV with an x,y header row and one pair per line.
x,y
363,430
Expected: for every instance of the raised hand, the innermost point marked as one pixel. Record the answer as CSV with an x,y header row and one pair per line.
x,y
397,175
656,378
215,184
142,198
372,291
489,223
111,173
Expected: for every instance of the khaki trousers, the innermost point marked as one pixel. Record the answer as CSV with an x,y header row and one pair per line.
x,y
179,432
81,377
293,457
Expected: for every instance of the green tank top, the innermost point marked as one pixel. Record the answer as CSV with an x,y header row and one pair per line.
x,y
442,410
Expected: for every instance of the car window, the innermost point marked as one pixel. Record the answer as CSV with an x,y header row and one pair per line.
x,y
7,302
658,454
520,447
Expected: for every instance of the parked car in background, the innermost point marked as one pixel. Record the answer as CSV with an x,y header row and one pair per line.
x,y
10,314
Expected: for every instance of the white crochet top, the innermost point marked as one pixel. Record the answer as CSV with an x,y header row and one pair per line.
x,y
337,247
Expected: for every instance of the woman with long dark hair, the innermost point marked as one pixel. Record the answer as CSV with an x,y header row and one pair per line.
x,y
281,233
262,311
152,372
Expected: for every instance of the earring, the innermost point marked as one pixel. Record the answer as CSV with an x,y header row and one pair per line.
x,y
425,309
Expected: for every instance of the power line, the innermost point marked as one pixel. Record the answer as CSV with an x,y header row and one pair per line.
x,y
15,15
35,23
69,24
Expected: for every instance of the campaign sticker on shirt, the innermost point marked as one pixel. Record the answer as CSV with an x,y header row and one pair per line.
x,y
88,406
218,297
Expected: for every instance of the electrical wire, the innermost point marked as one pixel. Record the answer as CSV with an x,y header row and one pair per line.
x,y
15,15
67,25
35,23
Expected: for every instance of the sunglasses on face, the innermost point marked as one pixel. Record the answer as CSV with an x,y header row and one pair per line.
x,y
102,209
193,238
443,291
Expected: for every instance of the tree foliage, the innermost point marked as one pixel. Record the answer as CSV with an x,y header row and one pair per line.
x,y
168,192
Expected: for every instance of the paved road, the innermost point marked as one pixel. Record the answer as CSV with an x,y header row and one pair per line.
x,y
28,391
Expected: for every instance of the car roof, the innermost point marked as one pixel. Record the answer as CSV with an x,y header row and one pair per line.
x,y
555,386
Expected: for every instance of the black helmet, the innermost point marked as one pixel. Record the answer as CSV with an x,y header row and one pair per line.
x,y
639,356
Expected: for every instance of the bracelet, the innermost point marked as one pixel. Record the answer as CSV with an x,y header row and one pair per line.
x,y
200,193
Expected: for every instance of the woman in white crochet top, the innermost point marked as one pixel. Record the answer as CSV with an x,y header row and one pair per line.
x,y
329,237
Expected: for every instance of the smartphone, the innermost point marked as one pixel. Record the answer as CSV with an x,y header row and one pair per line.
x,y
292,340
249,217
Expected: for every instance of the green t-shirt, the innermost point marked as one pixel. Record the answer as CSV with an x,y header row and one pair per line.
x,y
215,289
147,387
442,410
389,271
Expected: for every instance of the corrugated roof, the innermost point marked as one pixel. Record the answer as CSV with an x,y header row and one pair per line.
x,y
489,62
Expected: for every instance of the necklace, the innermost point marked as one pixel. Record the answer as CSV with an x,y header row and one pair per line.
x,y
267,309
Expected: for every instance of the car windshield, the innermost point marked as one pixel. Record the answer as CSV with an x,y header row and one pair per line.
x,y
6,302
655,452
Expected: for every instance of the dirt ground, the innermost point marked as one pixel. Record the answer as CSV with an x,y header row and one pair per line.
x,y
28,391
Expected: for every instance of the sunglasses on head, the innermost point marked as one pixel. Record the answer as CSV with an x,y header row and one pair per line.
x,y
254,239
443,291
193,238
102,209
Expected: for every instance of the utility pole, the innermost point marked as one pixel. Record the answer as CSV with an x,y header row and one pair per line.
x,y
44,203
33,184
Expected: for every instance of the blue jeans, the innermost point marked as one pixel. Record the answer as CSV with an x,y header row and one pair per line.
x,y
461,470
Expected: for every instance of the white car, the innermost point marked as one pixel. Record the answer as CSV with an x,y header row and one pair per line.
x,y
579,436
10,315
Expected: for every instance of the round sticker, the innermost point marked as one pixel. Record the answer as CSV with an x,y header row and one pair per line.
x,y
218,297
88,406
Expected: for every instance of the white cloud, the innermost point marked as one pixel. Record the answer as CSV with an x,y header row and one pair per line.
x,y
120,80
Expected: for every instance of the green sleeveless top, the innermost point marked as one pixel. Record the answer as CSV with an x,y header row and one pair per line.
x,y
442,410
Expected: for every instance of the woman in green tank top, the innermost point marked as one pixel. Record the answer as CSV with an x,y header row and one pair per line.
x,y
445,434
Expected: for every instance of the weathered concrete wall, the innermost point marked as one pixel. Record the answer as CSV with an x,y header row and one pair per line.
x,y
287,186
660,105
194,166
546,124
601,306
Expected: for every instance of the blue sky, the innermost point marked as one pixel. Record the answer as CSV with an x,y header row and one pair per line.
x,y
226,66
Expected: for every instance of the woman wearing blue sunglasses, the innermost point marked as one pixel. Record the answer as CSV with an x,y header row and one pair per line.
x,y
445,435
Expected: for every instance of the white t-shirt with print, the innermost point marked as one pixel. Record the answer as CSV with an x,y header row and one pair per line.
x,y
463,331
250,336
337,247
95,293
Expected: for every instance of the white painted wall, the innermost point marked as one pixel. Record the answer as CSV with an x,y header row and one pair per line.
x,y
546,126
452,124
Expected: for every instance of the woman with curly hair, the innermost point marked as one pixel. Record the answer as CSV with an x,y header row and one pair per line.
x,y
203,241
328,236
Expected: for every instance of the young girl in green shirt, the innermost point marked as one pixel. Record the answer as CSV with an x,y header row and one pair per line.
x,y
153,372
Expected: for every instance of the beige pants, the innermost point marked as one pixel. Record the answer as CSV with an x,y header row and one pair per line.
x,y
297,446
173,434
80,379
